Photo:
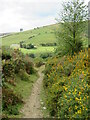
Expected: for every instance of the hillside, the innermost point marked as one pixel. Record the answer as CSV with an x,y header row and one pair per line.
x,y
36,36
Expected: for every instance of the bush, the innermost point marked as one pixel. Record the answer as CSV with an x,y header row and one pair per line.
x,y
19,64
29,65
45,55
23,75
30,46
12,110
39,64
21,44
49,44
8,69
66,86
6,53
32,55
16,64
10,98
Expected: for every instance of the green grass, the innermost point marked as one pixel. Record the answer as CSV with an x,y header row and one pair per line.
x,y
39,50
41,35
44,35
24,87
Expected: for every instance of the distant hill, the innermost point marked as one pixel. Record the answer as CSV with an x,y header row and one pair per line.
x,y
4,34
36,36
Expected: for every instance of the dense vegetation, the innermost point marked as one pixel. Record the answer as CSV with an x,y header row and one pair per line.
x,y
17,70
67,86
66,81
73,19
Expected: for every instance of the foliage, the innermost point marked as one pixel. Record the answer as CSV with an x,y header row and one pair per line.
x,y
66,86
74,23
31,55
15,65
45,55
6,53
49,44
39,63
13,110
26,46
23,75
29,67
10,98
8,69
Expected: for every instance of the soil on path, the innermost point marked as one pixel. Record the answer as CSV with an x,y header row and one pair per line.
x,y
32,108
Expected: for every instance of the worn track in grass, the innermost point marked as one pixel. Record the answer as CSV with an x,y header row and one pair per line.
x,y
32,108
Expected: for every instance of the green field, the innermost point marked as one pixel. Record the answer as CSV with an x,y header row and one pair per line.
x,y
39,50
41,35
37,36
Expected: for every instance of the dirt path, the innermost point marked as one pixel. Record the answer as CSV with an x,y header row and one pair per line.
x,y
32,107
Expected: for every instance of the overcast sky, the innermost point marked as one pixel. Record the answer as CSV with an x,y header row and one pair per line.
x,y
28,14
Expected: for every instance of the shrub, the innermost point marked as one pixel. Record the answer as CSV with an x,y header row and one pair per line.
x,y
39,63
12,110
6,53
10,98
49,44
45,55
19,64
23,75
21,44
32,55
8,69
30,46
66,86
28,65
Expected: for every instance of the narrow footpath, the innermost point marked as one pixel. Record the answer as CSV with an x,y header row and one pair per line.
x,y
32,108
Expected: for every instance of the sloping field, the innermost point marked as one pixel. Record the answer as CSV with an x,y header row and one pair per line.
x,y
36,36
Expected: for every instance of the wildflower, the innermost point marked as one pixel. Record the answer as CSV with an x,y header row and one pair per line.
x,y
79,93
76,99
79,112
76,107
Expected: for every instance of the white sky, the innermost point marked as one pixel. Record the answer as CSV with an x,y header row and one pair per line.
x,y
28,14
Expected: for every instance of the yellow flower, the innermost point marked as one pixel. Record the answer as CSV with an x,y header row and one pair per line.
x,y
75,89
69,109
65,96
65,88
76,99
79,93
76,107
79,111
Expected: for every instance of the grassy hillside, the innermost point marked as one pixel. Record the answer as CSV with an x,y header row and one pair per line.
x,y
39,35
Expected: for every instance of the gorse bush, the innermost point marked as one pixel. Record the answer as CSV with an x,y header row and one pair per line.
x,y
66,86
14,64
8,69
29,67
10,98
6,53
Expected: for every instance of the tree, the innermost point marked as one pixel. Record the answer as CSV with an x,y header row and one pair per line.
x,y
72,21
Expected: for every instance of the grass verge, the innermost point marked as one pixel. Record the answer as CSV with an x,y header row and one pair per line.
x,y
24,89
